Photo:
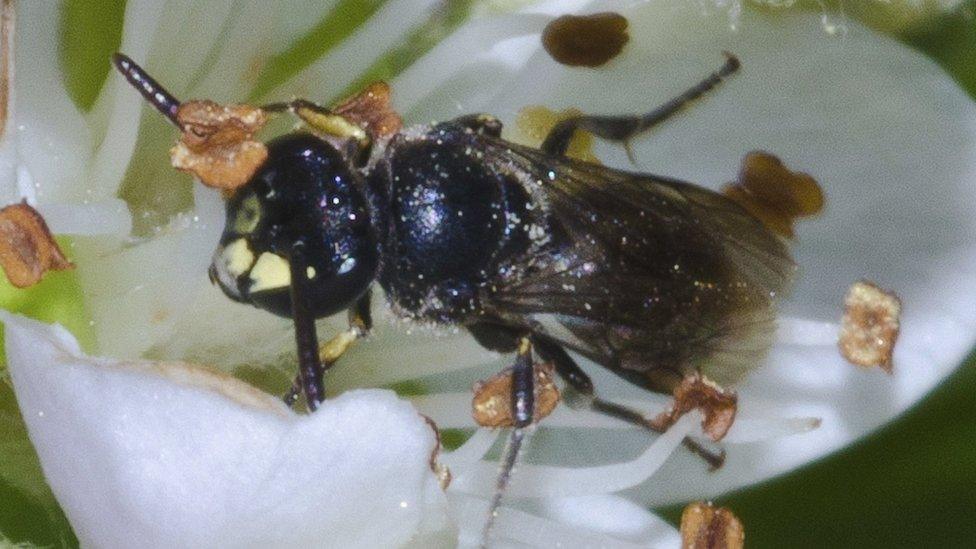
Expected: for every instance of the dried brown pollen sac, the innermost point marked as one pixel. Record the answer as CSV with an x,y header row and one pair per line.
x,y
773,194
586,40
217,144
869,328
27,248
704,526
371,110
716,404
535,121
492,403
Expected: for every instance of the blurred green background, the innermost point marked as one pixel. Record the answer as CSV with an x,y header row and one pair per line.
x,y
911,484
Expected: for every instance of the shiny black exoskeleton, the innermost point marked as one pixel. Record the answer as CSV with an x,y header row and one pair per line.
x,y
529,250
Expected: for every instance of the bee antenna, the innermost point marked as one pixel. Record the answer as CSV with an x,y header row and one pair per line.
x,y
150,89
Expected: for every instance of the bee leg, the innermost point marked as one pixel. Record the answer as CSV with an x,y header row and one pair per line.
x,y
360,323
310,369
484,124
623,128
321,119
569,370
523,408
294,105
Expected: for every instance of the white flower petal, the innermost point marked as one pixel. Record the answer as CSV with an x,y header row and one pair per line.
x,y
330,75
467,63
54,142
174,455
612,515
114,118
107,217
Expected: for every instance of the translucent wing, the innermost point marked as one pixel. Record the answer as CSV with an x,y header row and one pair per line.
x,y
649,276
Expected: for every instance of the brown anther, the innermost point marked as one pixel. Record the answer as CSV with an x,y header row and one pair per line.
x,y
716,404
535,121
773,194
492,403
27,248
870,325
370,109
586,40
217,144
704,526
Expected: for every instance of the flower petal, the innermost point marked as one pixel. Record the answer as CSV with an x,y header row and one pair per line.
x,y
53,139
175,455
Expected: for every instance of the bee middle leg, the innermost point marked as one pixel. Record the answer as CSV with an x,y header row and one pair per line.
x,y
569,370
360,323
624,128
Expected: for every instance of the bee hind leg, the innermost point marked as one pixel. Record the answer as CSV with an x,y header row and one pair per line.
x,y
624,128
572,374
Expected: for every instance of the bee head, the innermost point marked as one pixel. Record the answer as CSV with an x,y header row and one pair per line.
x,y
304,194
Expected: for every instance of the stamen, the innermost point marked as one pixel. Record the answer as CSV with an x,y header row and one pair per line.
x,y
472,450
807,333
451,411
528,530
537,481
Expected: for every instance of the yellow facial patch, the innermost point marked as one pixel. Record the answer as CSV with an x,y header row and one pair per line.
x,y
270,272
237,257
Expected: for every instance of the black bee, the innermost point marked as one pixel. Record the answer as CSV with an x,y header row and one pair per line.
x,y
529,250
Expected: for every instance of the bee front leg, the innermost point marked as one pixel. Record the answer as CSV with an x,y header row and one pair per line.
x,y
360,323
624,128
310,371
569,370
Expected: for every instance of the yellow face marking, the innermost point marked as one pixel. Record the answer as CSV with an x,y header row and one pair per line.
x,y
237,257
270,272
310,272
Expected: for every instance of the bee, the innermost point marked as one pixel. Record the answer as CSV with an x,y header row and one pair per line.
x,y
532,252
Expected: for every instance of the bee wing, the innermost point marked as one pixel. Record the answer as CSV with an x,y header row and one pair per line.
x,y
647,275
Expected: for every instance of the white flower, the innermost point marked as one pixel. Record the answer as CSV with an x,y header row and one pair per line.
x,y
883,129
